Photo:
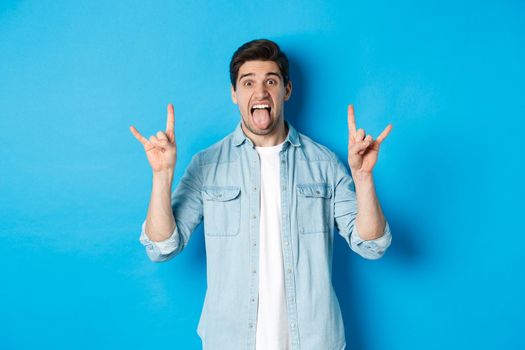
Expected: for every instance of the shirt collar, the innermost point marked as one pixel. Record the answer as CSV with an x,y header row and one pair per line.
x,y
293,137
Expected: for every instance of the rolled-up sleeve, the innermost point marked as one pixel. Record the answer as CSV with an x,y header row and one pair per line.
x,y
186,203
371,249
162,250
345,214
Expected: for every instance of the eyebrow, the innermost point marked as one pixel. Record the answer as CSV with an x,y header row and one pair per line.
x,y
253,74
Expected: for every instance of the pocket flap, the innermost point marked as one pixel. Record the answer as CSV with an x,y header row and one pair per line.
x,y
320,190
222,194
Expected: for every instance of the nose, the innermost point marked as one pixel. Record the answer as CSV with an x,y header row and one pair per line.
x,y
261,91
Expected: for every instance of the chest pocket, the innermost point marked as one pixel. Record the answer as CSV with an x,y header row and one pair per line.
x,y
222,210
313,207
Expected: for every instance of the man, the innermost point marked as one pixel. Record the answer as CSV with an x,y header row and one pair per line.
x,y
270,198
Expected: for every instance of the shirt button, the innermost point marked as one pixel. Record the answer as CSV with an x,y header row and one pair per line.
x,y
292,325
282,161
250,325
255,188
317,192
254,244
286,243
254,217
289,270
254,271
253,300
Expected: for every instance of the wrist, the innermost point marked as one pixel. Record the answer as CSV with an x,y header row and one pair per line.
x,y
362,177
163,177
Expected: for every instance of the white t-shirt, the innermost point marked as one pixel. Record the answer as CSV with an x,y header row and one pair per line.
x,y
272,319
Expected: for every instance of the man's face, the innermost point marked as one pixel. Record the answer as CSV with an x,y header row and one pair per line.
x,y
260,95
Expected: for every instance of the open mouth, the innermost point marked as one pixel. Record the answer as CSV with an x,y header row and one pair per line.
x,y
261,115
263,106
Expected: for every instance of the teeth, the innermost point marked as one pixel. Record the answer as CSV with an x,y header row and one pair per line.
x,y
261,106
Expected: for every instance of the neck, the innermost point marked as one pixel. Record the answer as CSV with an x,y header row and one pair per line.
x,y
273,139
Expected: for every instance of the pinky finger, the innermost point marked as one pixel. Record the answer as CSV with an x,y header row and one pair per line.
x,y
384,134
138,135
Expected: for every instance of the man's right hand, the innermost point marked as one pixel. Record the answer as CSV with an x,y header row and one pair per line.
x,y
161,150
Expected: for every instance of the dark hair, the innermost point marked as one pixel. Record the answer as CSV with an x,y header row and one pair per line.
x,y
258,50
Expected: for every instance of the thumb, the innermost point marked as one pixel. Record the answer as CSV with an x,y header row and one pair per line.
x,y
359,146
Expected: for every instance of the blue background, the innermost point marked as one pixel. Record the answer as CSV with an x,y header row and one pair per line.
x,y
75,184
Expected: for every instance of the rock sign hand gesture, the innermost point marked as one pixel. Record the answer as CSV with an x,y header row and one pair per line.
x,y
161,149
362,151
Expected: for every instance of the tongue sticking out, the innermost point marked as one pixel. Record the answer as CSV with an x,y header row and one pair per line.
x,y
261,118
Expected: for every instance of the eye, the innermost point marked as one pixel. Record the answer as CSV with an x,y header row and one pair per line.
x,y
271,82
247,83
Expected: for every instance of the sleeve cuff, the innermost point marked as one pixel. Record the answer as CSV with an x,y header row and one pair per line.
x,y
165,247
372,249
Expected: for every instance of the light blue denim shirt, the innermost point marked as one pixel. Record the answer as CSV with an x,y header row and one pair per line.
x,y
221,186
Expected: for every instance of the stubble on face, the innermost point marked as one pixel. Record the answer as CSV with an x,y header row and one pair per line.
x,y
260,83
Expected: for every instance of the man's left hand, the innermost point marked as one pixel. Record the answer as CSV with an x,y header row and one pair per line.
x,y
362,150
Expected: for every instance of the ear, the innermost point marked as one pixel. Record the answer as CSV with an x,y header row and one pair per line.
x,y
234,94
288,90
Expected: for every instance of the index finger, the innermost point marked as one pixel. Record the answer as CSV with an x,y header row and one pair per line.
x,y
170,122
384,134
351,122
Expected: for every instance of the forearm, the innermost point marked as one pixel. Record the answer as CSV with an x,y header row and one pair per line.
x,y
160,221
370,219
